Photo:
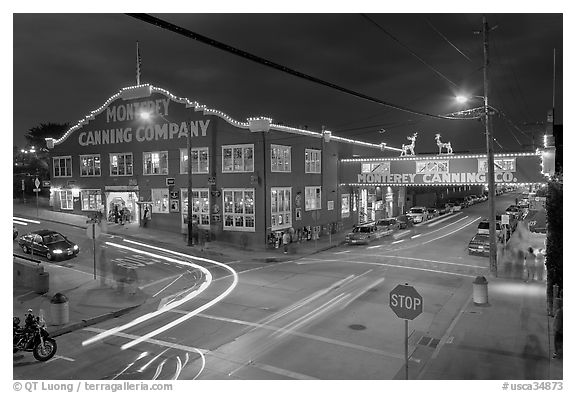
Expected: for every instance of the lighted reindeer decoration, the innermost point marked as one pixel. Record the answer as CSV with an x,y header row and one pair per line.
x,y
441,145
410,147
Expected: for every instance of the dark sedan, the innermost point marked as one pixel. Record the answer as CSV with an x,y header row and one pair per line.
x,y
405,221
480,244
50,244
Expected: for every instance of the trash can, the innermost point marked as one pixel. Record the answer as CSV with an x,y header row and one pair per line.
x,y
42,283
480,290
59,309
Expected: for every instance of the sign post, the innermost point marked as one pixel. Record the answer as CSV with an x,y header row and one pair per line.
x,y
37,190
505,224
406,303
93,232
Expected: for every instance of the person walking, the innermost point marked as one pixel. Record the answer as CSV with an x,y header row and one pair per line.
x,y
557,328
530,264
286,241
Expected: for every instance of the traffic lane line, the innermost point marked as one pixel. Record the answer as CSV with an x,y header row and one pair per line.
x,y
398,241
449,217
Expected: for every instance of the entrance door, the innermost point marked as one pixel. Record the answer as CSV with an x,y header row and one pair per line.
x,y
118,200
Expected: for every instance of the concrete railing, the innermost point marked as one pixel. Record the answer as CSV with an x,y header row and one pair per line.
x,y
29,273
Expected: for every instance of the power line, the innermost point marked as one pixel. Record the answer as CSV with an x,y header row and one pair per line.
x,y
238,52
446,39
409,50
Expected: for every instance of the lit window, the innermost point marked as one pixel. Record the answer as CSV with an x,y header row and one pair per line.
x,y
345,205
66,200
200,205
313,161
280,158
91,199
199,160
239,210
62,166
121,164
156,163
90,165
281,207
313,198
160,200
238,158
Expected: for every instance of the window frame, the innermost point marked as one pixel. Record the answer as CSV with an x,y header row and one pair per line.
x,y
154,207
233,227
159,152
309,159
98,193
307,206
71,199
274,166
243,159
345,207
125,154
277,211
184,164
201,214
83,156
65,166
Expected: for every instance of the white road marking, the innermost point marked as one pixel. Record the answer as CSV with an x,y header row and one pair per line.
x,y
375,246
26,220
341,252
303,335
142,355
152,283
415,236
281,371
445,226
433,261
144,367
442,220
398,241
449,233
19,223
168,285
61,357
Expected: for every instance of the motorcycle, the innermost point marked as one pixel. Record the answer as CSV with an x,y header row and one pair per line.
x,y
34,338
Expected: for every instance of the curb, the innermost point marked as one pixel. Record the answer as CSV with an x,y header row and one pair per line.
x,y
91,321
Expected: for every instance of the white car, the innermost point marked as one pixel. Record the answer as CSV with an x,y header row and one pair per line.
x,y
418,214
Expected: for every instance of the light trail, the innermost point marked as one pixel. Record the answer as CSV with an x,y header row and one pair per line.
x,y
432,224
449,233
25,219
19,223
153,314
177,303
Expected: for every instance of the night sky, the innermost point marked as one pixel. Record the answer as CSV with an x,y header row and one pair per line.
x,y
65,65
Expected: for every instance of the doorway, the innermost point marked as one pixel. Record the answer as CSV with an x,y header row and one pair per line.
x,y
118,202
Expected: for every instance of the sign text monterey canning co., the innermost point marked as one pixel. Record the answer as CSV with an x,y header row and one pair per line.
x,y
147,131
464,177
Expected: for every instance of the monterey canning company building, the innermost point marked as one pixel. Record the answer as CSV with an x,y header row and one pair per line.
x,y
251,180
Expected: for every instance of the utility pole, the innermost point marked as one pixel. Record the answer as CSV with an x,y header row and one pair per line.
x,y
490,154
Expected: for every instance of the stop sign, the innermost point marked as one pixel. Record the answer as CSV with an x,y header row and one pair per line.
x,y
405,302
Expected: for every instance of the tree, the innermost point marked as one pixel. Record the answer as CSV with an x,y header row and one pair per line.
x,y
554,262
36,135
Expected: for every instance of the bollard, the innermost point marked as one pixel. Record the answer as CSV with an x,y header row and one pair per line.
x,y
480,290
42,283
59,309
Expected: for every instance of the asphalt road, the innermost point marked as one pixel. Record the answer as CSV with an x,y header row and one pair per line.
x,y
321,317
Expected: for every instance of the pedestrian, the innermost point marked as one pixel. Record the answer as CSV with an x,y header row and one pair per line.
x,y
530,264
146,215
116,214
286,241
557,328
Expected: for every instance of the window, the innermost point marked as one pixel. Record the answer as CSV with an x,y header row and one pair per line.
x,y
345,205
280,158
90,165
91,199
239,209
200,205
313,161
121,164
281,207
62,166
156,163
313,197
199,160
159,200
238,158
66,201
431,166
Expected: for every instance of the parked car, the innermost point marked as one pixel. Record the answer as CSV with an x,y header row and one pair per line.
x,y
433,212
471,199
459,202
515,211
14,232
418,214
50,244
388,224
501,230
480,244
442,208
362,234
405,221
454,207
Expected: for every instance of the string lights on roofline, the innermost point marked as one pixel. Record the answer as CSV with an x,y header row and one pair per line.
x,y
438,156
147,89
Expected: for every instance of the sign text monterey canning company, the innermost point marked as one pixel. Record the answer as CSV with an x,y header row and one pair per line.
x,y
147,131
464,177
